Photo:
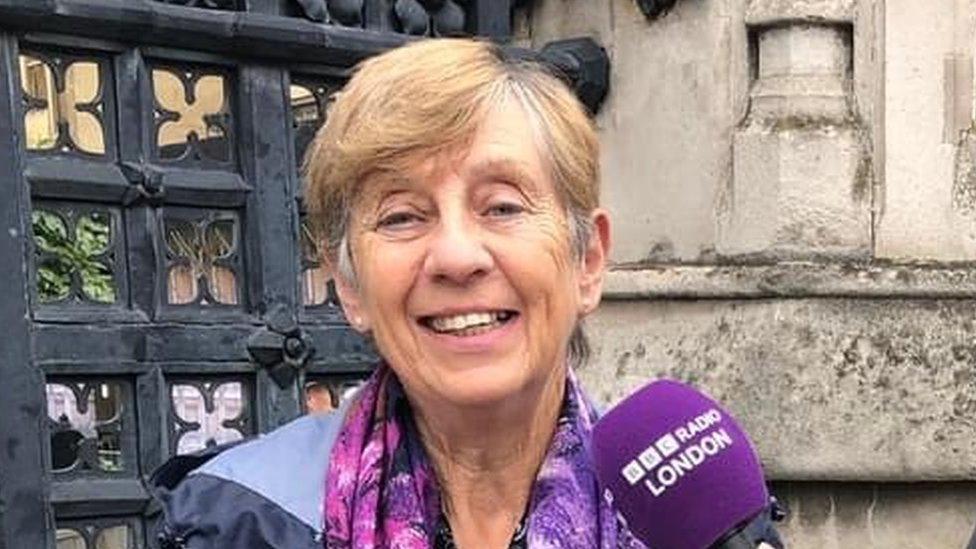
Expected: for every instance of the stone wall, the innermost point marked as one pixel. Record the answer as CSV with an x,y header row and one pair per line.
x,y
864,515
793,185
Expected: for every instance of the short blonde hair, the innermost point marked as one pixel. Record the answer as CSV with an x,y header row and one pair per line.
x,y
431,96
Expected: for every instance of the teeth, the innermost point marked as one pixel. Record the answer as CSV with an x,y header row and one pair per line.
x,y
466,321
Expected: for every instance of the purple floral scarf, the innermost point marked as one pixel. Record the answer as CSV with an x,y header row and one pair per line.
x,y
382,491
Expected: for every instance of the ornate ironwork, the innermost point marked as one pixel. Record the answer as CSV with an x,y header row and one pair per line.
x,y
76,248
309,100
282,347
655,8
585,66
430,17
324,394
318,289
92,428
219,399
147,184
193,121
63,102
414,17
202,257
348,13
98,534
237,171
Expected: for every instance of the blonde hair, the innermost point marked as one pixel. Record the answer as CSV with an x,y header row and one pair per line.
x,y
431,96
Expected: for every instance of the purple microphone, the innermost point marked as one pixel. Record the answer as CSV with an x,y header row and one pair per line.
x,y
678,468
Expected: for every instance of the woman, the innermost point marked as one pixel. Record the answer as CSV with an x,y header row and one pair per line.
x,y
456,194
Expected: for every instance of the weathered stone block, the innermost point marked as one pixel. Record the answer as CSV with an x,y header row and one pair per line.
x,y
801,183
800,190
830,389
803,73
928,103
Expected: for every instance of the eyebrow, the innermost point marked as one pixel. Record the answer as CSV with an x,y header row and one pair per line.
x,y
510,168
386,184
391,183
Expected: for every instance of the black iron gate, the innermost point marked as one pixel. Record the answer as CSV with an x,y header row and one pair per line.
x,y
158,286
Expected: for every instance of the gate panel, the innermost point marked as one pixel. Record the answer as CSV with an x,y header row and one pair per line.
x,y
162,291
24,518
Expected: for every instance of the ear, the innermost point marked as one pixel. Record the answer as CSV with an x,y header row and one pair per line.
x,y
594,261
349,298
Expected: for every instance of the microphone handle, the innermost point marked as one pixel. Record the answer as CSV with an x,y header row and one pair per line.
x,y
757,532
739,540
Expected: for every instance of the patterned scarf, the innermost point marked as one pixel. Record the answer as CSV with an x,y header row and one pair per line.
x,y
382,491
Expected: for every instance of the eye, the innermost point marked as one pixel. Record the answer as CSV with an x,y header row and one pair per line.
x,y
504,209
397,220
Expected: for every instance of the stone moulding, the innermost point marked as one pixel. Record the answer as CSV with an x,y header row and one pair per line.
x,y
778,12
791,280
799,189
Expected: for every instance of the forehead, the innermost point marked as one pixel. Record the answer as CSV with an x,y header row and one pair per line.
x,y
507,133
504,145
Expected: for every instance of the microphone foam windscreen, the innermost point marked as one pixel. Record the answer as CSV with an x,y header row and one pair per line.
x,y
677,466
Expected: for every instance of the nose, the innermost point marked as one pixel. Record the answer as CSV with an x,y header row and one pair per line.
x,y
457,254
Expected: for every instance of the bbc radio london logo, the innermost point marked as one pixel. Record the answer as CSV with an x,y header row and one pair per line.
x,y
677,453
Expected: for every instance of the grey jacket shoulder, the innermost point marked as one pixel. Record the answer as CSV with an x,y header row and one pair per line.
x,y
265,492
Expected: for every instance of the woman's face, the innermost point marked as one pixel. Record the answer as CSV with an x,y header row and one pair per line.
x,y
465,275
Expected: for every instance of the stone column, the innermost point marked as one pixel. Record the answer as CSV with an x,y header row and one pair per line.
x,y
801,184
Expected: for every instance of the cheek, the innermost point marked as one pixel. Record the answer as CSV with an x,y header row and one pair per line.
x,y
542,269
542,236
386,275
551,251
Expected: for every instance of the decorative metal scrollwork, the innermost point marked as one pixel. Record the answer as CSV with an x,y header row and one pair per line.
x,y
63,103
192,115
86,421
75,249
147,184
414,17
655,8
208,412
348,13
430,17
203,257
318,289
103,534
309,101
585,66
282,347
326,393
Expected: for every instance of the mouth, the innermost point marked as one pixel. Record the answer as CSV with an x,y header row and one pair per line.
x,y
468,324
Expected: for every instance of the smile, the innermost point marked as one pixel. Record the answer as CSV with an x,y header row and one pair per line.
x,y
468,324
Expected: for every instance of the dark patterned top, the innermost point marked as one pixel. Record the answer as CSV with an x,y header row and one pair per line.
x,y
444,539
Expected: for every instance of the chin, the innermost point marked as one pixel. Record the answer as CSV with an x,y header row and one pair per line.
x,y
486,386
481,396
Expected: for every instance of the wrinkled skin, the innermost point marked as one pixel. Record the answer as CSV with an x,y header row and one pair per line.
x,y
472,230
475,230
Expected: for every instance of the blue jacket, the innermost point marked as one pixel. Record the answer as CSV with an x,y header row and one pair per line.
x,y
263,493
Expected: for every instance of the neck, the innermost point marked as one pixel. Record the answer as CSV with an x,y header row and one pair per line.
x,y
486,458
